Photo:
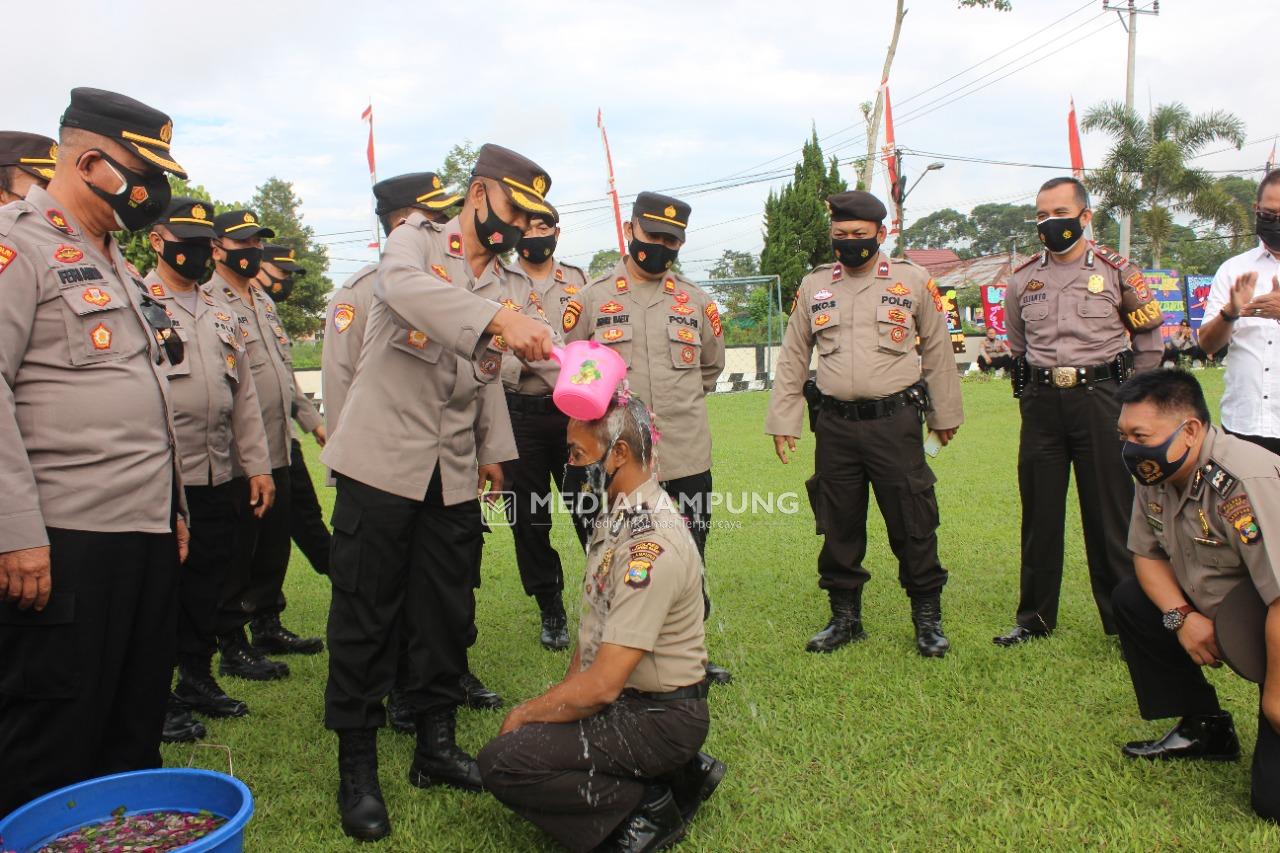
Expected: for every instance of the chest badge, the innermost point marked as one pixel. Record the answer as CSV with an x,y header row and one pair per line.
x,y
1096,284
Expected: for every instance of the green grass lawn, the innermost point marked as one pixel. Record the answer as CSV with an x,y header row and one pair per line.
x,y
869,748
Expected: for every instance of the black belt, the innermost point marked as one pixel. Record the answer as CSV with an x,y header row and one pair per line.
x,y
864,410
529,404
1070,377
693,691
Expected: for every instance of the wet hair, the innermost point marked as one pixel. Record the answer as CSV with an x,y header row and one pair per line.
x,y
628,420
1169,391
1270,179
1082,195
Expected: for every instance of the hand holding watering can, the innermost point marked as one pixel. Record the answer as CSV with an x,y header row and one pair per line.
x,y
528,338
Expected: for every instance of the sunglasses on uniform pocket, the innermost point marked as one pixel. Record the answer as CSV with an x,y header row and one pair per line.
x,y
162,327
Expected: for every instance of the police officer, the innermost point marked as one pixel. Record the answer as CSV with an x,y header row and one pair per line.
x,y
1080,319
26,161
668,331
423,428
610,754
864,315
545,284
306,525
1205,506
254,580
216,417
92,530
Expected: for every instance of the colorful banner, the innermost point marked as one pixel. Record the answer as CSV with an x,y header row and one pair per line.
x,y
954,324
1198,290
993,307
1166,287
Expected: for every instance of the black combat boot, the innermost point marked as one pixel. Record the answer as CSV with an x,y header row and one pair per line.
x,y
1209,737
364,813
438,760
179,725
399,714
926,614
241,660
846,622
270,637
693,784
655,825
197,691
555,624
477,696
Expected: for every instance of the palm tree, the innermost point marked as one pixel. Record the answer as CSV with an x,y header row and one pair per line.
x,y
1146,175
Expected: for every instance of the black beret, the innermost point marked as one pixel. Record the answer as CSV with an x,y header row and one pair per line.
x,y
856,205
422,190
525,181
661,214
133,124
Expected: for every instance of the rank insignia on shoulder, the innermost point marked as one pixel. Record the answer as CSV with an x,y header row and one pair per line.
x,y
454,244
669,286
641,523
1110,257
1028,262
7,254
1220,479
837,272
441,273
559,274
882,271
207,299
57,220
157,290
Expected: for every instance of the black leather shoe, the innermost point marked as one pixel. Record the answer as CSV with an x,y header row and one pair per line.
x,y
655,825
693,784
197,691
241,660
272,638
180,726
438,760
1210,737
846,622
478,697
399,714
1019,634
926,615
717,674
555,633
364,813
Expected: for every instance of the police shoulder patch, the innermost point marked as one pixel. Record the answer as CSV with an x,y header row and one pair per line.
x,y
1110,257
647,549
1028,262
7,254
572,310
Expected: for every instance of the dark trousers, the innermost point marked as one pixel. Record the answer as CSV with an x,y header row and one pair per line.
x,y
84,682
1169,684
203,576
306,521
399,565
1264,441
540,440
255,578
578,781
1062,429
998,363
886,455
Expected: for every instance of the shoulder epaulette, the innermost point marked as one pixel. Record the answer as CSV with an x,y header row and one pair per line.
x,y
1219,478
453,244
9,216
1028,262
1110,257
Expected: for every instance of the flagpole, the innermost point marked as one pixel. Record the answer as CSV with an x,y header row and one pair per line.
x,y
367,115
613,188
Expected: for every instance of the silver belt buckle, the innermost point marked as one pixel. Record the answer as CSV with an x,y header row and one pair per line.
x,y
1065,377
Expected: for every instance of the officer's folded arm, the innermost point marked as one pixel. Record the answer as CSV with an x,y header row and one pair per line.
x,y
583,692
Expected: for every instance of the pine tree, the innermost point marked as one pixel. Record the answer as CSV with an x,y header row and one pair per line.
x,y
278,208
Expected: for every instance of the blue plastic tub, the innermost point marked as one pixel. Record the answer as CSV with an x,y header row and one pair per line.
x,y
44,819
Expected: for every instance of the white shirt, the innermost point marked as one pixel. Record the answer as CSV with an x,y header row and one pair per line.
x,y
1251,401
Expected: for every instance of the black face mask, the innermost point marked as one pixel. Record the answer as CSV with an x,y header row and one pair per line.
x,y
189,260
653,258
495,233
280,288
537,249
1268,230
1060,233
244,262
141,198
856,253
1149,464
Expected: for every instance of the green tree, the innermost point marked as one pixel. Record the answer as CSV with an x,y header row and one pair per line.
x,y
993,224
735,264
942,229
602,261
455,174
1146,173
797,223
734,300
279,208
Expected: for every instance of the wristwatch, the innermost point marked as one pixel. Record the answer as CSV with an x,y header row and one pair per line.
x,y
1229,318
1174,618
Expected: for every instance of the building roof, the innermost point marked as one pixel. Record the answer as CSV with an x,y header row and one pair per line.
x,y
989,269
934,260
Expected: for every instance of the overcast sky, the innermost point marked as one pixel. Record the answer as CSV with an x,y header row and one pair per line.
x,y
691,92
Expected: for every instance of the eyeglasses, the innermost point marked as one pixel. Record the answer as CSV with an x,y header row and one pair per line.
x,y
162,327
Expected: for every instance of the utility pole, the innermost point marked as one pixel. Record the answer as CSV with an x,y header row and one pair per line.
x,y
1126,223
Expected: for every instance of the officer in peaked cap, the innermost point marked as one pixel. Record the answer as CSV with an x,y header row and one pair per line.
x,y
93,526
26,160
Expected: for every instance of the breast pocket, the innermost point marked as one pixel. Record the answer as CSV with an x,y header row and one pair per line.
x,y
1095,307
417,344
825,325
895,329
99,325
231,353
1036,313
686,347
1219,556
617,337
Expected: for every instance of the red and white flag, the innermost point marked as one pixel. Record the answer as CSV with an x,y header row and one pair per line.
x,y
1073,143
367,115
890,153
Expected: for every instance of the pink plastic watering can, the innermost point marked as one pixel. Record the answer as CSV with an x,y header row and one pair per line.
x,y
589,376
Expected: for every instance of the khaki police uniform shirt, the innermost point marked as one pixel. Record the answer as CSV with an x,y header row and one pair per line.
x,y
1084,313
343,337
1222,529
537,379
643,590
669,334
86,439
994,349
425,391
864,326
270,360
215,404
